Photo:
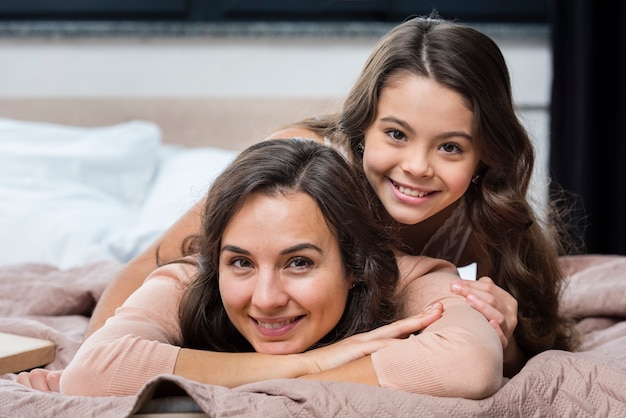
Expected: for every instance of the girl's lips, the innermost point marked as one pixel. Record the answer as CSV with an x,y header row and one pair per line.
x,y
409,192
276,328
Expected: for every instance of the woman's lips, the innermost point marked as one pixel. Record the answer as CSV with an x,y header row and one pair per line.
x,y
273,327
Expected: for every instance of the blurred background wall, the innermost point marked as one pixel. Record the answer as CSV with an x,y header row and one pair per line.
x,y
280,48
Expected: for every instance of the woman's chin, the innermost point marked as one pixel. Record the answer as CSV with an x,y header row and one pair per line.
x,y
279,348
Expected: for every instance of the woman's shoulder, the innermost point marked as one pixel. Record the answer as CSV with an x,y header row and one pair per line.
x,y
413,267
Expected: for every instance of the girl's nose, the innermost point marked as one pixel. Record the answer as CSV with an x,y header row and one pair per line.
x,y
417,162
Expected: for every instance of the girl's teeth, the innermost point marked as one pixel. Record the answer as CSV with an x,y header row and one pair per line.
x,y
413,193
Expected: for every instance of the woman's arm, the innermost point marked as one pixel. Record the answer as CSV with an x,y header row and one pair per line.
x,y
235,369
142,341
458,355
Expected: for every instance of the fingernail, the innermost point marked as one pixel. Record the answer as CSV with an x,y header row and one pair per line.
x,y
432,308
455,286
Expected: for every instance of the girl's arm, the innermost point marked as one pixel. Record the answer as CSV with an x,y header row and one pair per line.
x,y
135,271
500,309
495,303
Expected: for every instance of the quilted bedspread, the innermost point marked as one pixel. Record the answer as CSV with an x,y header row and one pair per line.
x,y
42,301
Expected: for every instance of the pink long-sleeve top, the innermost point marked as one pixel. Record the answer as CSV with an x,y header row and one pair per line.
x,y
459,355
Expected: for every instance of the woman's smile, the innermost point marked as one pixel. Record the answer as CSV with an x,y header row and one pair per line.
x,y
276,327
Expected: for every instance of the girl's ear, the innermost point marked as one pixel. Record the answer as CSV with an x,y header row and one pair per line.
x,y
352,280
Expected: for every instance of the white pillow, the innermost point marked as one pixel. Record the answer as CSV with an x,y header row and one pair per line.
x,y
65,191
57,222
118,159
183,178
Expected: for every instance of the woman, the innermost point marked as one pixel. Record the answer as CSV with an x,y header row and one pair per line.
x,y
282,266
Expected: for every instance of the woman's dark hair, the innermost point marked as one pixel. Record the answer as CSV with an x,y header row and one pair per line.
x,y
287,166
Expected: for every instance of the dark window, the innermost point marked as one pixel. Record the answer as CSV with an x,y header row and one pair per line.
x,y
520,11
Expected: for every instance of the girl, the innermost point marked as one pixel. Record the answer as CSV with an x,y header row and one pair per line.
x,y
431,124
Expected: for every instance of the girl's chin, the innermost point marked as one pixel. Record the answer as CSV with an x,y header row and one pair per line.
x,y
405,219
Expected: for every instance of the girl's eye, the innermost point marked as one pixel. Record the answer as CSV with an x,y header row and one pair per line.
x,y
450,148
396,135
300,263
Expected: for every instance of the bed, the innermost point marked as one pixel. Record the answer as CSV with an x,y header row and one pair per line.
x,y
85,184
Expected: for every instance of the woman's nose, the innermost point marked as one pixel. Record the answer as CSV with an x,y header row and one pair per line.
x,y
269,291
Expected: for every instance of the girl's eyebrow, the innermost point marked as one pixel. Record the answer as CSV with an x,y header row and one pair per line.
x,y
410,130
400,122
289,250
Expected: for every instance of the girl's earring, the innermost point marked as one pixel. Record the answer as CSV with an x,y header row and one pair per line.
x,y
360,149
476,179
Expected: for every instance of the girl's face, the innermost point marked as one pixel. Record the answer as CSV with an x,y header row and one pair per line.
x,y
281,275
419,155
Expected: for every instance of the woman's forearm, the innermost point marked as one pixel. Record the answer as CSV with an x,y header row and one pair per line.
x,y
235,369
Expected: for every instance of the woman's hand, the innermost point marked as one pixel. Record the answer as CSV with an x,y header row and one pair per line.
x,y
364,344
41,379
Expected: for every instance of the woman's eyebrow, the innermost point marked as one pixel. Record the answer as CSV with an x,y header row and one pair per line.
x,y
234,249
289,250
300,247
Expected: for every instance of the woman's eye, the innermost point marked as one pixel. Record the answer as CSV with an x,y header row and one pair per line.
x,y
396,135
240,263
450,148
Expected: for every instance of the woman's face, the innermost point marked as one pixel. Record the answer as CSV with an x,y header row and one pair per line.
x,y
281,275
419,153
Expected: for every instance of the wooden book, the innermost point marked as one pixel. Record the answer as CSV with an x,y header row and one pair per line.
x,y
19,353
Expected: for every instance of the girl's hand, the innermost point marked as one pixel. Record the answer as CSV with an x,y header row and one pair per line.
x,y
495,303
364,344
500,309
41,379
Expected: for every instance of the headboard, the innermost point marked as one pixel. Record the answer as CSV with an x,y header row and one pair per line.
x,y
229,123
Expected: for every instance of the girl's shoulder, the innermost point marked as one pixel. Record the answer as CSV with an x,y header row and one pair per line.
x,y
181,271
297,132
